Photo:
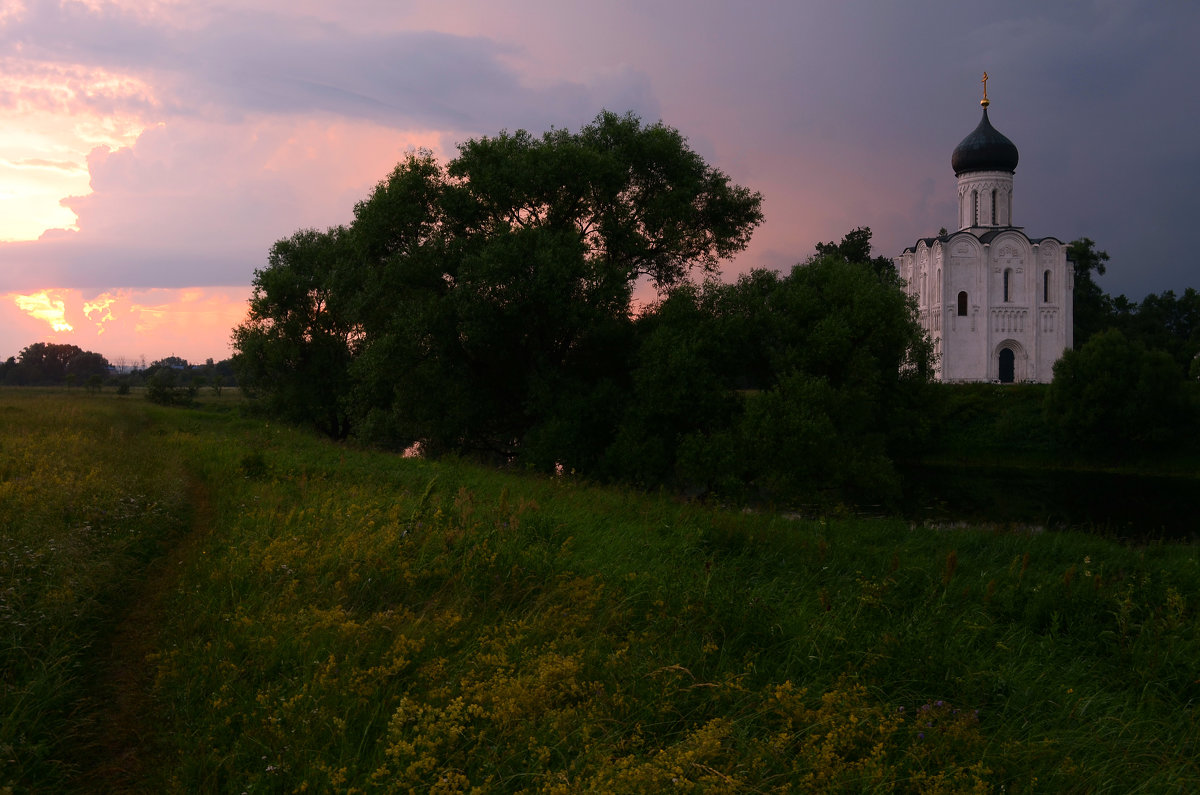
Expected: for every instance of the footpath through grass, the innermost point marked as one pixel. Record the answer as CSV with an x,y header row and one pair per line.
x,y
353,620
90,491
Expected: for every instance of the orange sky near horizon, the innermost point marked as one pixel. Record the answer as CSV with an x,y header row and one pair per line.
x,y
44,150
48,150
129,325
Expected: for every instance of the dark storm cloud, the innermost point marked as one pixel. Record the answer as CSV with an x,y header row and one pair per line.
x,y
247,62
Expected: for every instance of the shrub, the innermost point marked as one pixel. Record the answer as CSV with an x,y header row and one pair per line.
x,y
1115,395
165,389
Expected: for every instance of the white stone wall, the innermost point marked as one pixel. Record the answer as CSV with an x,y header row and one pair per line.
x,y
1033,319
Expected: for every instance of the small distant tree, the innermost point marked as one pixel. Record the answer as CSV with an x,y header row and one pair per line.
x,y
174,362
166,388
856,247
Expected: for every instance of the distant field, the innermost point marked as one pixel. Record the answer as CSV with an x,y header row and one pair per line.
x,y
196,601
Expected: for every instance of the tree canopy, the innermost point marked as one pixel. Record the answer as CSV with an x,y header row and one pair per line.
x,y
1162,322
1093,307
778,387
856,247
468,306
1114,395
45,363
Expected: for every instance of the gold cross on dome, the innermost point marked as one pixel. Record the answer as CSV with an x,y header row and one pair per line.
x,y
984,101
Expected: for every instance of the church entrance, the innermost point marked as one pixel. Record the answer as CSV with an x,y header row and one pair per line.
x,y
1008,366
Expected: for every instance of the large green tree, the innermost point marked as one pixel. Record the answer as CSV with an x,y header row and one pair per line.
x,y
294,349
486,305
1163,322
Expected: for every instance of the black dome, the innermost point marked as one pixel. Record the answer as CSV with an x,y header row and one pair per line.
x,y
984,149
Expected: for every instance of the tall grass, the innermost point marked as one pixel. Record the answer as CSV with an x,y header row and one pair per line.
x,y
89,491
349,620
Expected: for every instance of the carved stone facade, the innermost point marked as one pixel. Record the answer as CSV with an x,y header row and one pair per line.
x,y
997,304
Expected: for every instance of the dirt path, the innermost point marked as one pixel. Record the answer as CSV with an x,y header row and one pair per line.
x,y
114,749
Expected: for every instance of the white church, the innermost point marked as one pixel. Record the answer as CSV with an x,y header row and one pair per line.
x,y
998,304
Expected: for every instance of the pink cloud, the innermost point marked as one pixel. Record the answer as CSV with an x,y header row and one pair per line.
x,y
201,204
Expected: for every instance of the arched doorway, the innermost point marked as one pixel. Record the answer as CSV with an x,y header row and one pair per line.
x,y
1008,366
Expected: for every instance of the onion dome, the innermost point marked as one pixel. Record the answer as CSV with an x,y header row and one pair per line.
x,y
985,149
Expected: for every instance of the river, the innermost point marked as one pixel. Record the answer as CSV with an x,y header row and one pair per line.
x,y
1134,507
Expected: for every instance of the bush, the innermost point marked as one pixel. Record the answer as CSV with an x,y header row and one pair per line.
x,y
166,389
1114,395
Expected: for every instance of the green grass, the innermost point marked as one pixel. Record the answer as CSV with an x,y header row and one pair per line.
x,y
88,494
341,619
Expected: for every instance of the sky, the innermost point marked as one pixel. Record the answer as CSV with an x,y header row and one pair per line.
x,y
151,152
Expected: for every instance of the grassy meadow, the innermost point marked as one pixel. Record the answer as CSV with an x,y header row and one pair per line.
x,y
194,600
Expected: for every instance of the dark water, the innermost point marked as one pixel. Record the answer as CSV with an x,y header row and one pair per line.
x,y
1137,507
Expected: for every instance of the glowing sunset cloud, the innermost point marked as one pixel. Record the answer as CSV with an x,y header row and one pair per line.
x,y
99,310
43,306
126,325
55,116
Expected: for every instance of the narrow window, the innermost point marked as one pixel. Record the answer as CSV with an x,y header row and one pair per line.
x,y
1008,284
1046,287
993,206
962,304
974,208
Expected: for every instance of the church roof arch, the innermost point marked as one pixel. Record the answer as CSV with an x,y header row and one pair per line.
x,y
963,244
1006,240
1049,247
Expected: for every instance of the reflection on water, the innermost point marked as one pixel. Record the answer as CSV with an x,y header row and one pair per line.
x,y
1127,506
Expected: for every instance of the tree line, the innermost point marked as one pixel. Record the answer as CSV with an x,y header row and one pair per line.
x,y
485,307
166,379
1131,384
48,363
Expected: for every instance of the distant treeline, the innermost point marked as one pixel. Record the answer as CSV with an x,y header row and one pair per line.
x,y
54,364
1159,322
